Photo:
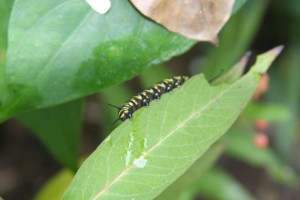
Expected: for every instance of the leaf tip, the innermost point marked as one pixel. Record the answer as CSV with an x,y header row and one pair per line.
x,y
265,60
277,50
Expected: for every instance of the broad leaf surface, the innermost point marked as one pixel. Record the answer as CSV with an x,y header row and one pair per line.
x,y
59,129
141,157
62,50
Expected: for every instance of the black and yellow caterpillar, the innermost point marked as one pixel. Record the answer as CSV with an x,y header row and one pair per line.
x,y
145,97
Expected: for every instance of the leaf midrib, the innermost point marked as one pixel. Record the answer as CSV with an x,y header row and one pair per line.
x,y
132,166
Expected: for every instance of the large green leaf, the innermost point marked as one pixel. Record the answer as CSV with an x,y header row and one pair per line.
x,y
59,129
141,157
62,50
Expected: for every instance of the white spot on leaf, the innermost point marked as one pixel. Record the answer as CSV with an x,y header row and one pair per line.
x,y
127,158
145,143
107,139
140,163
100,6
128,153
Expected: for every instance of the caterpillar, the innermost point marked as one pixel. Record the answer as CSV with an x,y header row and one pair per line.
x,y
145,97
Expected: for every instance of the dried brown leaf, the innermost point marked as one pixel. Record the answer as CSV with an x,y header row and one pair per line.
x,y
195,19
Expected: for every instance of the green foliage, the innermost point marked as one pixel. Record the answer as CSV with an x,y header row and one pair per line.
x,y
269,112
217,184
187,181
242,148
59,129
56,186
289,83
73,51
60,51
140,158
235,38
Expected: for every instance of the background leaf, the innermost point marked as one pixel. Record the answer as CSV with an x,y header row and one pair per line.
x,y
245,23
217,184
55,187
59,129
205,17
242,147
5,7
269,112
78,51
143,156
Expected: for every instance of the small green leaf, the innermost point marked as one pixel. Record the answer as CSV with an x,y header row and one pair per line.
x,y
217,184
234,73
141,157
62,50
55,187
242,147
232,46
267,111
59,129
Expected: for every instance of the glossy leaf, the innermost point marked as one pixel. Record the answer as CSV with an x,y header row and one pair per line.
x,y
59,129
62,50
141,157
